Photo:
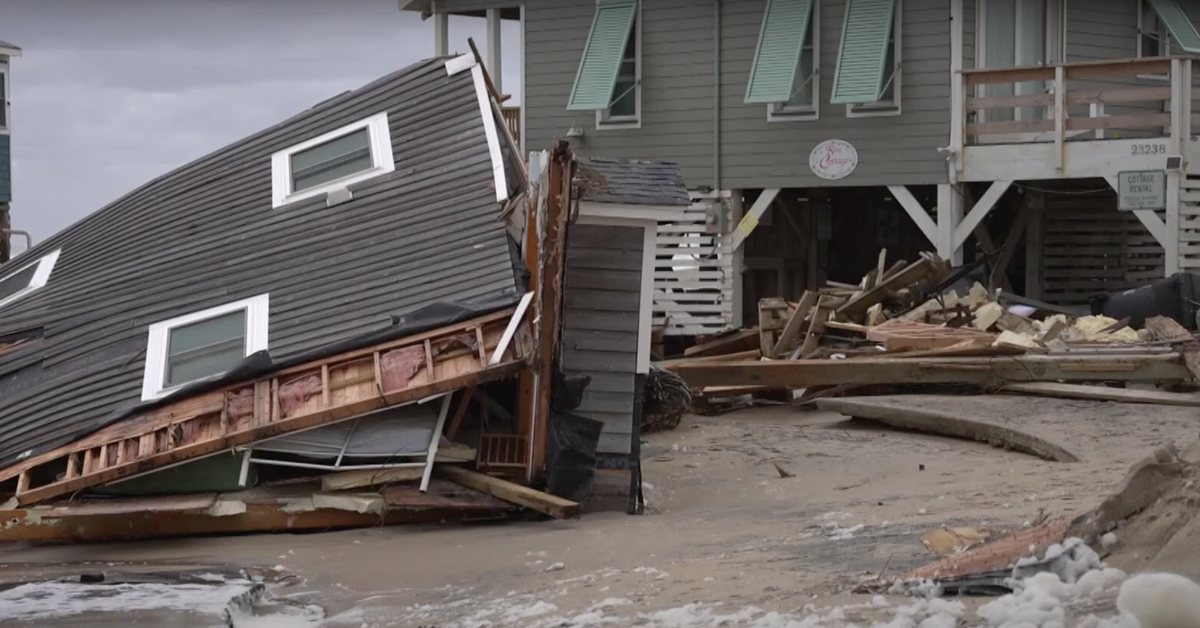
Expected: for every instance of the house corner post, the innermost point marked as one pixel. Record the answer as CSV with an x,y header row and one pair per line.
x,y
441,33
949,216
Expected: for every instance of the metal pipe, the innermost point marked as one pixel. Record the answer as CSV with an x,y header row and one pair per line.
x,y
716,184
325,467
21,232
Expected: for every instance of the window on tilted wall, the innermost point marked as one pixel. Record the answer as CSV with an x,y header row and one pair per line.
x,y
1018,33
784,72
608,81
3,95
353,153
203,345
867,79
25,277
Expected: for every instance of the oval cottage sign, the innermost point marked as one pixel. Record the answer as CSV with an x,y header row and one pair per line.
x,y
833,159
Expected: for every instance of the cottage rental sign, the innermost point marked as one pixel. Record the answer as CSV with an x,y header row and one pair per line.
x,y
833,159
1141,189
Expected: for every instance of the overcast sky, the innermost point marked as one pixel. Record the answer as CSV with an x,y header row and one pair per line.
x,y
112,93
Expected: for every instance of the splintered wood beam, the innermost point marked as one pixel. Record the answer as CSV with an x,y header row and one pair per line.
x,y
986,371
513,493
909,275
1169,330
792,329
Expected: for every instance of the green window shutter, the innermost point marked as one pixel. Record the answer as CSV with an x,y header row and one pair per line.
x,y
597,74
780,42
1182,31
866,32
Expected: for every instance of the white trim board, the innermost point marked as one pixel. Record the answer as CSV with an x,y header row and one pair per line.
x,y
382,161
1094,158
41,276
500,178
657,213
256,339
915,211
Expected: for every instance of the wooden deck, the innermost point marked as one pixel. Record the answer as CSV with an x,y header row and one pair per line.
x,y
1074,120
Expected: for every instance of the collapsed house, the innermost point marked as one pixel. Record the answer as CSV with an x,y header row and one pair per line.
x,y
325,324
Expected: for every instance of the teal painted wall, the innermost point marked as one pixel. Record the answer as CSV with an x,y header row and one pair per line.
x,y
5,170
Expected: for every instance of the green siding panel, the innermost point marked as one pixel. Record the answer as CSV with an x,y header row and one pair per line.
x,y
780,42
5,170
866,30
1182,30
597,74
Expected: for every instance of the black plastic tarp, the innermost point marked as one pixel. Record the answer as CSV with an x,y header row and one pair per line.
x,y
261,363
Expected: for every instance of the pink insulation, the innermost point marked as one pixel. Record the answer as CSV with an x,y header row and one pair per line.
x,y
400,365
293,394
239,402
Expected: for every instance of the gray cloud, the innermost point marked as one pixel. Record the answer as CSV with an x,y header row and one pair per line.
x,y
111,94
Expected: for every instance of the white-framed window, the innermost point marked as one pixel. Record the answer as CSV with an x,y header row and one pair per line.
x,y
203,345
889,104
25,277
4,96
805,103
625,112
353,153
1018,33
1154,40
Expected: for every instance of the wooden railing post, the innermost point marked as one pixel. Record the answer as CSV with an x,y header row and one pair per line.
x,y
958,123
1060,116
1180,85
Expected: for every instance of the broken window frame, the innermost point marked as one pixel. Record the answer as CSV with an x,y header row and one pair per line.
x,y
40,277
257,309
382,161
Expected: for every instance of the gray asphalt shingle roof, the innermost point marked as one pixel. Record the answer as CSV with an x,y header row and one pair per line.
x,y
206,234
4,44
632,181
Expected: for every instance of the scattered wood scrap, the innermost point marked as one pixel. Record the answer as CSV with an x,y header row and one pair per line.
x,y
511,492
989,371
902,326
1105,393
944,424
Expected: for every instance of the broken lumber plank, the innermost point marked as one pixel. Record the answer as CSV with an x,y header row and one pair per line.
x,y
771,315
816,329
982,371
670,365
369,477
513,493
911,274
1163,328
736,342
945,424
792,329
1104,393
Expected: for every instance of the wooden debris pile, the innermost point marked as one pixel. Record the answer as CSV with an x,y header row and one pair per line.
x,y
918,324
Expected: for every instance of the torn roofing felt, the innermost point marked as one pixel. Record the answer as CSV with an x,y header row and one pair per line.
x,y
206,235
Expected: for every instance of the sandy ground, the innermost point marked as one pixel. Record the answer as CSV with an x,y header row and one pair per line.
x,y
724,535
